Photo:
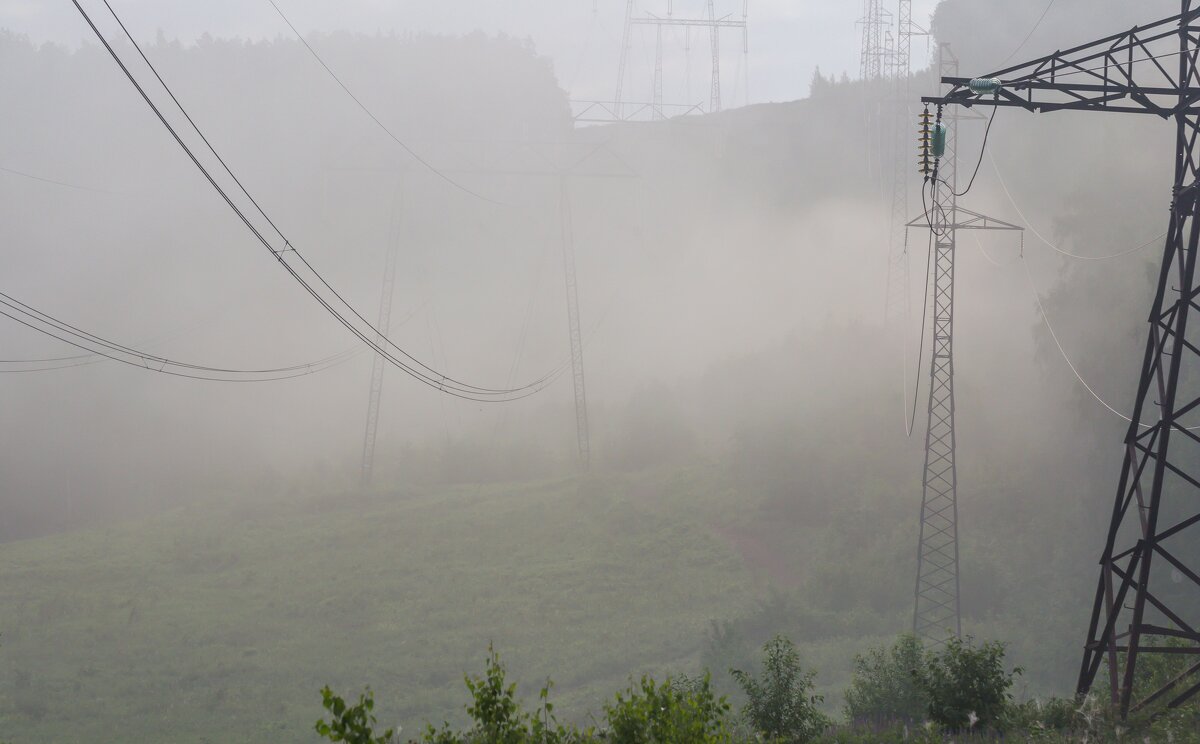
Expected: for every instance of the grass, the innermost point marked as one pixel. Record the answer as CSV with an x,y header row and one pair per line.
x,y
220,622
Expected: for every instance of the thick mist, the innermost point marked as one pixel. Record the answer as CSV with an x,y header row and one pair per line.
x,y
747,399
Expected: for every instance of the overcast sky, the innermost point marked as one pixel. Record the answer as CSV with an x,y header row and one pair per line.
x,y
788,38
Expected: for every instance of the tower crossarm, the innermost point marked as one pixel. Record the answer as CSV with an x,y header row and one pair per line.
x,y
1137,610
724,22
1136,71
965,219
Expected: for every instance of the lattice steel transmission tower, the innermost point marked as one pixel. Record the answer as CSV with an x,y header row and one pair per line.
x,y
937,614
375,394
563,162
873,59
710,20
896,294
566,225
1147,599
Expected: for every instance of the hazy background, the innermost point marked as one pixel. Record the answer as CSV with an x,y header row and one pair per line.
x,y
741,382
788,39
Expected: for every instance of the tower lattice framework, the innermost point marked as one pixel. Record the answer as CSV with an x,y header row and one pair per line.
x,y
873,57
566,225
375,393
1147,597
937,611
709,20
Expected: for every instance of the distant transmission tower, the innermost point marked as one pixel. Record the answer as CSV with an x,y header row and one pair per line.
x,y
565,161
566,224
937,614
375,393
895,299
873,59
710,20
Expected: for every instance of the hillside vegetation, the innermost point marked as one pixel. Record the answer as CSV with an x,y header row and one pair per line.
x,y
221,623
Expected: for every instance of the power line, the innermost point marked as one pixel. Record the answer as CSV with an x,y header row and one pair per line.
x,y
987,255
48,325
431,378
1046,320
1029,35
54,368
910,420
982,151
88,337
1049,327
1054,247
429,166
441,383
440,379
52,181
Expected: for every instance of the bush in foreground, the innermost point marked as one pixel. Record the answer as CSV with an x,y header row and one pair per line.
x,y
884,686
967,686
780,704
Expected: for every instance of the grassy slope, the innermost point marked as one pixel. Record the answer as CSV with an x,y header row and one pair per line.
x,y
221,623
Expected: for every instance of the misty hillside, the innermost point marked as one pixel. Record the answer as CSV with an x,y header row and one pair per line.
x,y
189,561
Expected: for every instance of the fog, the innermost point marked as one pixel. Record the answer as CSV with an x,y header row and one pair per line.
x,y
732,270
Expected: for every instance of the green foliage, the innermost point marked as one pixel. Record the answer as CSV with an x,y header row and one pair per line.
x,y
497,714
353,724
668,714
967,686
780,703
499,718
885,686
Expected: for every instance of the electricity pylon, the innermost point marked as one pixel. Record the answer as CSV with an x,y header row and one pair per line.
x,y
1147,600
710,20
937,613
873,58
895,297
562,162
375,394
566,225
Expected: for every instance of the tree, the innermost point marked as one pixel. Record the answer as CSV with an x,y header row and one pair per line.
x,y
967,686
885,684
353,724
781,704
669,713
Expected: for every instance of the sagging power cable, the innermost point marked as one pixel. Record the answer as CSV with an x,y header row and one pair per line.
x,y
98,346
370,114
1067,358
911,419
1044,239
1029,35
51,181
371,337
982,152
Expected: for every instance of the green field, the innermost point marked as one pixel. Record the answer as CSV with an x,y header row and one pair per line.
x,y
220,622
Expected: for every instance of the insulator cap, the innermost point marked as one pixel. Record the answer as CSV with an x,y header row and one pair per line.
x,y
985,86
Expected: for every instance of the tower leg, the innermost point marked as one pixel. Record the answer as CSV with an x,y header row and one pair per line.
x,y
1139,609
714,37
582,434
936,615
626,40
375,394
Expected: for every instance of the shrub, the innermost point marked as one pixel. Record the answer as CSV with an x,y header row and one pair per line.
x,y
967,686
668,714
780,703
497,714
353,724
884,686
499,718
